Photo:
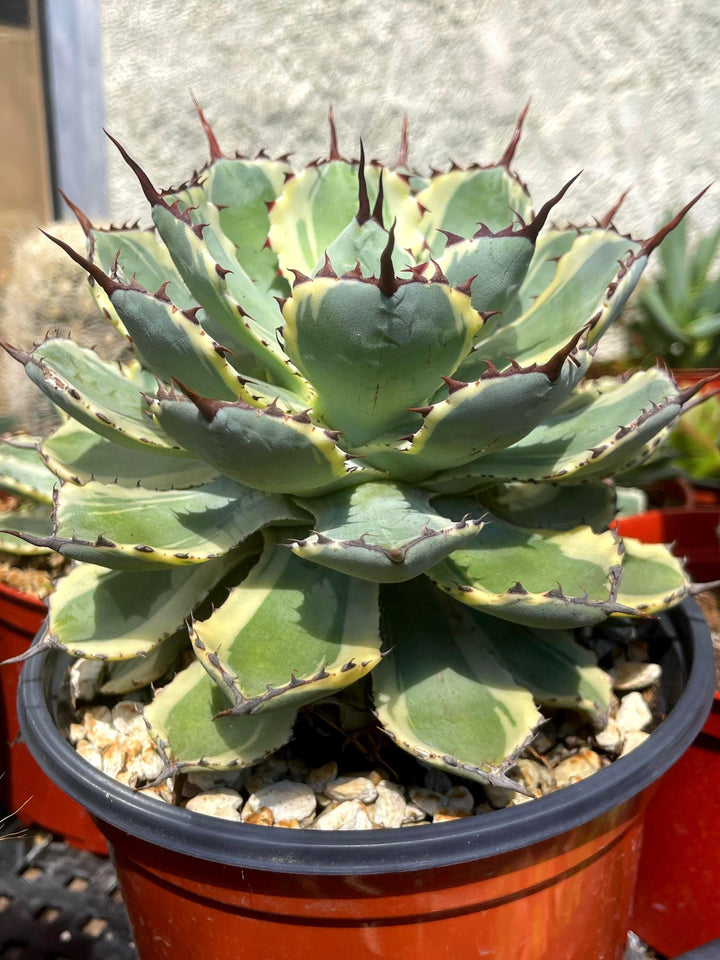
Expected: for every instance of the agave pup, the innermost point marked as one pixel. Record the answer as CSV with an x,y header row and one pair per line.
x,y
358,406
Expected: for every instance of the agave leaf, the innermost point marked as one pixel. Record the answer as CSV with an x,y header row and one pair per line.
x,y
289,634
605,427
135,529
441,694
319,203
122,677
549,247
587,286
540,578
33,521
183,719
382,531
264,449
97,394
76,454
361,244
401,346
241,190
551,664
652,578
488,415
174,344
238,314
138,254
552,506
498,263
22,472
119,614
460,200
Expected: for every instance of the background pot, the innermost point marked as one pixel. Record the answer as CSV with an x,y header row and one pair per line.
x,y
24,788
676,906
550,878
676,902
692,531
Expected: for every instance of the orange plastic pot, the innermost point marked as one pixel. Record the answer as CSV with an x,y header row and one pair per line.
x,y
24,789
692,531
548,880
676,903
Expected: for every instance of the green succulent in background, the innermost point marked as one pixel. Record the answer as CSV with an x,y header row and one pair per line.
x,y
678,312
695,441
357,425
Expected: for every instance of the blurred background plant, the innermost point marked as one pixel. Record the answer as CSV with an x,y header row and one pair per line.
x,y
677,315
675,318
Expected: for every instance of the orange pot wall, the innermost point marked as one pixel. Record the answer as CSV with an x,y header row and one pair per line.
x,y
24,788
676,903
692,531
566,898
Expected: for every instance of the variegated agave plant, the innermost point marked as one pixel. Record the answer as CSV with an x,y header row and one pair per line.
x,y
29,485
357,423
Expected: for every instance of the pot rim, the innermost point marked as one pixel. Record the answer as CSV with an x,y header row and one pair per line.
x,y
369,851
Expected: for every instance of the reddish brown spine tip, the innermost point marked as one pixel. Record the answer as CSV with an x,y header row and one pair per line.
x,y
655,241
207,407
363,214
388,282
327,269
509,154
553,367
452,238
213,145
423,411
466,288
490,369
152,195
454,385
605,221
438,275
222,272
299,277
334,152
377,213
689,392
532,229
402,157
81,217
22,356
107,283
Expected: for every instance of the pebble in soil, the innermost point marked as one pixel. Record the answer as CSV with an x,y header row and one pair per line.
x,y
327,780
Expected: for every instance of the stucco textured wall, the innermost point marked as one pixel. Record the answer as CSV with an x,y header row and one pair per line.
x,y
629,92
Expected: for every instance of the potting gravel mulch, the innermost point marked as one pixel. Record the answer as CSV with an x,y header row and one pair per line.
x,y
57,903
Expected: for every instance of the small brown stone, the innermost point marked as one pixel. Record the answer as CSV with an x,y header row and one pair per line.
x,y
263,817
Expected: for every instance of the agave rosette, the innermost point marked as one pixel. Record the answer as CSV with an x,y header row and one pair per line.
x,y
357,425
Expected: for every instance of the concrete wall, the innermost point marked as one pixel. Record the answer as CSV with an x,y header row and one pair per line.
x,y
629,92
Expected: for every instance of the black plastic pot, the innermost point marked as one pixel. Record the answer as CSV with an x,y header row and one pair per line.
x,y
550,878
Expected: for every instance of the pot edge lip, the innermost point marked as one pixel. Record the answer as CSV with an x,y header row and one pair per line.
x,y
371,852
